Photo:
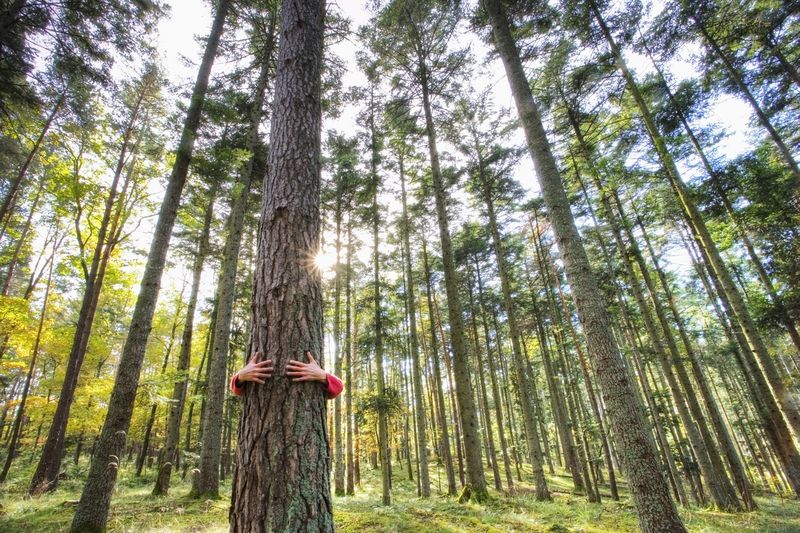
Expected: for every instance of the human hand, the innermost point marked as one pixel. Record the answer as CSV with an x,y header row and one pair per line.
x,y
256,371
310,371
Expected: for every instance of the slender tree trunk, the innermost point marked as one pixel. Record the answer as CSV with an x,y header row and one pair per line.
x,y
383,427
281,481
498,402
45,478
650,491
737,79
725,440
491,455
13,190
525,388
15,430
169,456
702,235
349,347
92,511
207,482
476,486
444,446
12,264
416,370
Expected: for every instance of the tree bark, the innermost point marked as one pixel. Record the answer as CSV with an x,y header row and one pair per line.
x,y
281,481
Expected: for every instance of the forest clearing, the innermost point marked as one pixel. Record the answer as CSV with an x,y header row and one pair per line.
x,y
399,265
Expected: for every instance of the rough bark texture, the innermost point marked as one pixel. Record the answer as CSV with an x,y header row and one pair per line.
x,y
281,481
649,489
92,511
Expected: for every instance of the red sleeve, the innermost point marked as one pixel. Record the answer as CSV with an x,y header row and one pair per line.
x,y
237,387
333,386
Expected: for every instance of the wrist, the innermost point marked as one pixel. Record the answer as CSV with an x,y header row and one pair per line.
x,y
323,377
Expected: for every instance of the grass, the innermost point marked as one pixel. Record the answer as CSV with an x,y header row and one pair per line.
x,y
134,509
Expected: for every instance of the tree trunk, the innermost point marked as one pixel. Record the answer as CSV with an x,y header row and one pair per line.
x,y
15,430
525,388
281,481
207,482
92,511
476,485
349,347
45,478
444,446
702,235
736,77
654,504
383,428
416,370
169,456
498,402
11,195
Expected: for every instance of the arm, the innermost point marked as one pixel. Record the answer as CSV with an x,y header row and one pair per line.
x,y
253,371
311,371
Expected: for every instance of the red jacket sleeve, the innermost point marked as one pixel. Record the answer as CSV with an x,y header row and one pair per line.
x,y
237,388
333,386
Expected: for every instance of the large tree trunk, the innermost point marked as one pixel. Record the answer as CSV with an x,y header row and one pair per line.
x,y
655,507
281,481
92,511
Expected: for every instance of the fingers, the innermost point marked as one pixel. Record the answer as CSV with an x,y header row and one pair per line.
x,y
254,358
310,357
263,364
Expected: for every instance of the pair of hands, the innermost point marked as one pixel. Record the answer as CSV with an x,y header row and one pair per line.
x,y
259,371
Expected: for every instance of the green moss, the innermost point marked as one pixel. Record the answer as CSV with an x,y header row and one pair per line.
x,y
134,509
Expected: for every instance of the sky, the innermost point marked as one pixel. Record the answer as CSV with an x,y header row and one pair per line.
x,y
188,19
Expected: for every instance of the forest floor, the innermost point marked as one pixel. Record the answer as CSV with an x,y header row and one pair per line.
x,y
134,509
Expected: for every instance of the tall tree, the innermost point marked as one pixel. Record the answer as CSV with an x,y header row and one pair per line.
x,y
655,508
45,478
281,481
92,511
426,67
207,481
